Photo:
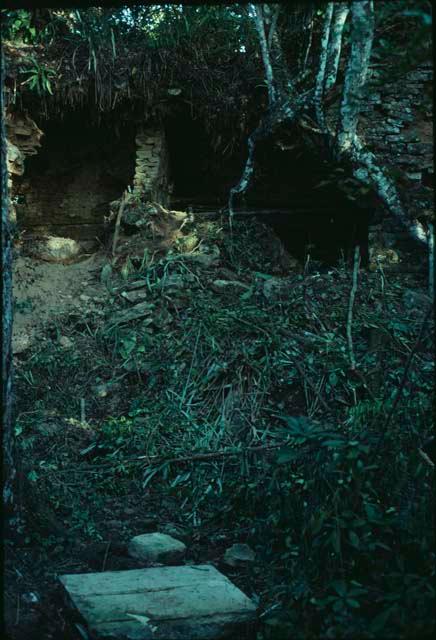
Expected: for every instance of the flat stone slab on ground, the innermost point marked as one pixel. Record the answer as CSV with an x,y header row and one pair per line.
x,y
160,603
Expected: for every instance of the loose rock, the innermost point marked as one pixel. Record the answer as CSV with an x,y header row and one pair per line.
x,y
415,299
56,249
20,343
276,288
221,286
239,555
65,342
138,311
156,547
135,296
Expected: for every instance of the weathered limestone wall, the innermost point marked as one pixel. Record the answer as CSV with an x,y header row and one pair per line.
x,y
151,181
71,206
23,132
23,139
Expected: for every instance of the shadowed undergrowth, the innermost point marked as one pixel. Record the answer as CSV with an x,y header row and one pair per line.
x,y
232,397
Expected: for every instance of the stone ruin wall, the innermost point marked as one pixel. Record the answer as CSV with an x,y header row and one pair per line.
x,y
151,179
23,139
397,125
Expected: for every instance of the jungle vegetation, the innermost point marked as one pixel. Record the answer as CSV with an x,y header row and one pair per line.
x,y
282,415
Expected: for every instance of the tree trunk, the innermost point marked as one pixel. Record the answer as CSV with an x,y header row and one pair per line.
x,y
362,33
335,44
319,89
9,471
259,22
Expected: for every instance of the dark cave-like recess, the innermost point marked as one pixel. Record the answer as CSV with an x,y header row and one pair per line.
x,y
315,217
80,168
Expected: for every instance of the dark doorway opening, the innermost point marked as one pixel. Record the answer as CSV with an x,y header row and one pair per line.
x,y
316,217
200,173
67,187
307,208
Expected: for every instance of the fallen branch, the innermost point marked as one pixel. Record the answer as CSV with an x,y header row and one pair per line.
x,y
431,261
425,457
217,454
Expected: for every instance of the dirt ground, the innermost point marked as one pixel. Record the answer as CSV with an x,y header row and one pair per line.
x,y
44,290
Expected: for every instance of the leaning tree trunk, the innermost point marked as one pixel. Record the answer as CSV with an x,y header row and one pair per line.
x,y
281,106
265,44
348,145
335,44
319,88
362,35
8,442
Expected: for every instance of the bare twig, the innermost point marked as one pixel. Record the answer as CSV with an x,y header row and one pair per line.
x,y
311,385
425,457
106,555
117,223
350,307
82,411
431,261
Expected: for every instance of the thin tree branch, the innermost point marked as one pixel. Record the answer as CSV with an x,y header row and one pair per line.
x,y
350,307
309,44
117,223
